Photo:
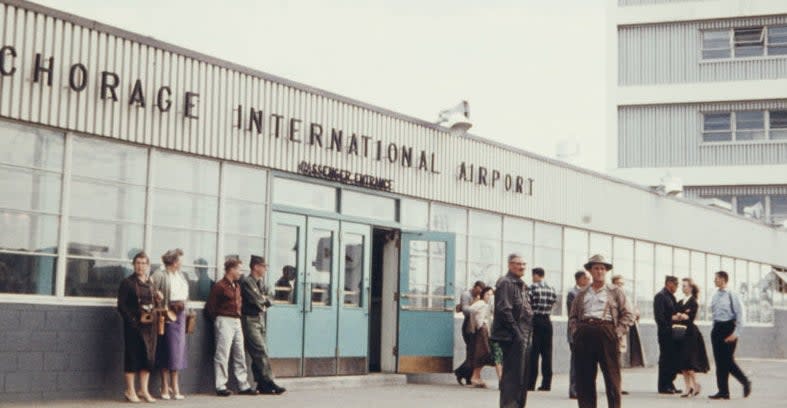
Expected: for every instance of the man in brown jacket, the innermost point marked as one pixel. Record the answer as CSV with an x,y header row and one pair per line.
x,y
597,322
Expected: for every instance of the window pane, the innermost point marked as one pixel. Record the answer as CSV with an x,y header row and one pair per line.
x,y
717,137
437,276
305,195
749,42
414,213
548,255
750,120
728,265
243,247
601,244
185,173
185,210
623,261
109,161
29,190
107,201
664,265
449,219
321,266
716,54
518,230
368,206
780,50
485,225
714,265
95,278
284,263
716,121
243,217
751,206
575,254
715,39
198,247
245,183
778,119
354,245
104,239
779,207
28,232
644,290
27,274
777,35
699,273
30,146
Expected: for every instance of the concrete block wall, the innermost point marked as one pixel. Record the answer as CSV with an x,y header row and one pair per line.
x,y
65,352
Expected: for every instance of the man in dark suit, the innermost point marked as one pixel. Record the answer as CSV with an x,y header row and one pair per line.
x,y
664,305
512,328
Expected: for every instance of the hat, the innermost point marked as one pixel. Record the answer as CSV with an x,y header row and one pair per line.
x,y
598,259
257,260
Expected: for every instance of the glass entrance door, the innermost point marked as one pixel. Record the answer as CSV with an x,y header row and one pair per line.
x,y
426,303
319,322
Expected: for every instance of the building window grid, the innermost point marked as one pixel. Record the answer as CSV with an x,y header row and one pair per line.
x,y
771,42
768,133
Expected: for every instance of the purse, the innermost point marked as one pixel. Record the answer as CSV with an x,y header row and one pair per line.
x,y
678,331
191,322
146,318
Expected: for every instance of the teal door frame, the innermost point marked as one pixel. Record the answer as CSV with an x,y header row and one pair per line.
x,y
426,320
319,334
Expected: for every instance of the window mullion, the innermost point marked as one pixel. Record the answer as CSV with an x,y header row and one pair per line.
x,y
65,203
734,125
220,215
148,242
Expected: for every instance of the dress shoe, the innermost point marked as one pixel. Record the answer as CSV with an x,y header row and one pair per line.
x,y
459,378
248,391
624,392
747,389
131,396
271,389
572,396
223,393
667,392
719,397
542,388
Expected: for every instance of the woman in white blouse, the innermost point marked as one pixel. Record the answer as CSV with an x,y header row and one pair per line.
x,y
171,358
484,351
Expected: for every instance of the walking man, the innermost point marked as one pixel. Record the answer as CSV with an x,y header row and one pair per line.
x,y
728,315
581,280
465,371
223,307
511,328
664,305
542,298
598,320
254,308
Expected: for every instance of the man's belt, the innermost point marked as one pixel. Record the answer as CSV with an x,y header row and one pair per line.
x,y
597,322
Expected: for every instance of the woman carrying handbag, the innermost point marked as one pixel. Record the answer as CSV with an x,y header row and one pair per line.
x,y
137,303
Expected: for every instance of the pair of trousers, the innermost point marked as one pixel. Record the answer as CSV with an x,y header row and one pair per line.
x,y
668,355
255,334
724,355
465,370
229,348
513,393
541,347
596,345
572,373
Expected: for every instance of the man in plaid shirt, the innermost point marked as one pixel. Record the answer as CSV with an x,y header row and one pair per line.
x,y
542,298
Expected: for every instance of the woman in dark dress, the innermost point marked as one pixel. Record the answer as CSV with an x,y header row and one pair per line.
x,y
692,357
136,301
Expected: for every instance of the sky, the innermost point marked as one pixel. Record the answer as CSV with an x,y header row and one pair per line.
x,y
533,71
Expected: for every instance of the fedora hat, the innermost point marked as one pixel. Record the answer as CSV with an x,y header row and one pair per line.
x,y
598,259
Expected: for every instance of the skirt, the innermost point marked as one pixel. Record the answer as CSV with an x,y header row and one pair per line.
x,y
691,351
140,347
482,351
171,350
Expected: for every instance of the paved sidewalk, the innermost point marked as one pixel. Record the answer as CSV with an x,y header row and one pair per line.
x,y
769,378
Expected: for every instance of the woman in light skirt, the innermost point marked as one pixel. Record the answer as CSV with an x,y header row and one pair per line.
x,y
173,288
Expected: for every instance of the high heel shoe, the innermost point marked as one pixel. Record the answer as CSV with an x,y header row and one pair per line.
x,y
146,397
689,393
697,391
165,396
132,397
478,384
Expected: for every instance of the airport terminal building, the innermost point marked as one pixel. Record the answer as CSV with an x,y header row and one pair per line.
x,y
372,222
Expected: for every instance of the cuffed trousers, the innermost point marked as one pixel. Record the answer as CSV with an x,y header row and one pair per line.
x,y
229,349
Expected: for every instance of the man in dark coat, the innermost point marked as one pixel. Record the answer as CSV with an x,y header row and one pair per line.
x,y
512,328
582,280
664,305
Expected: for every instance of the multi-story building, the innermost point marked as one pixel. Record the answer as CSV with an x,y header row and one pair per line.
x,y
699,93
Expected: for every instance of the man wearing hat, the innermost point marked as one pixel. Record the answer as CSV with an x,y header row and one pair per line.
x,y
254,307
598,320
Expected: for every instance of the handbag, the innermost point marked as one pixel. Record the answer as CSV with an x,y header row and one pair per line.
x,y
191,322
678,331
